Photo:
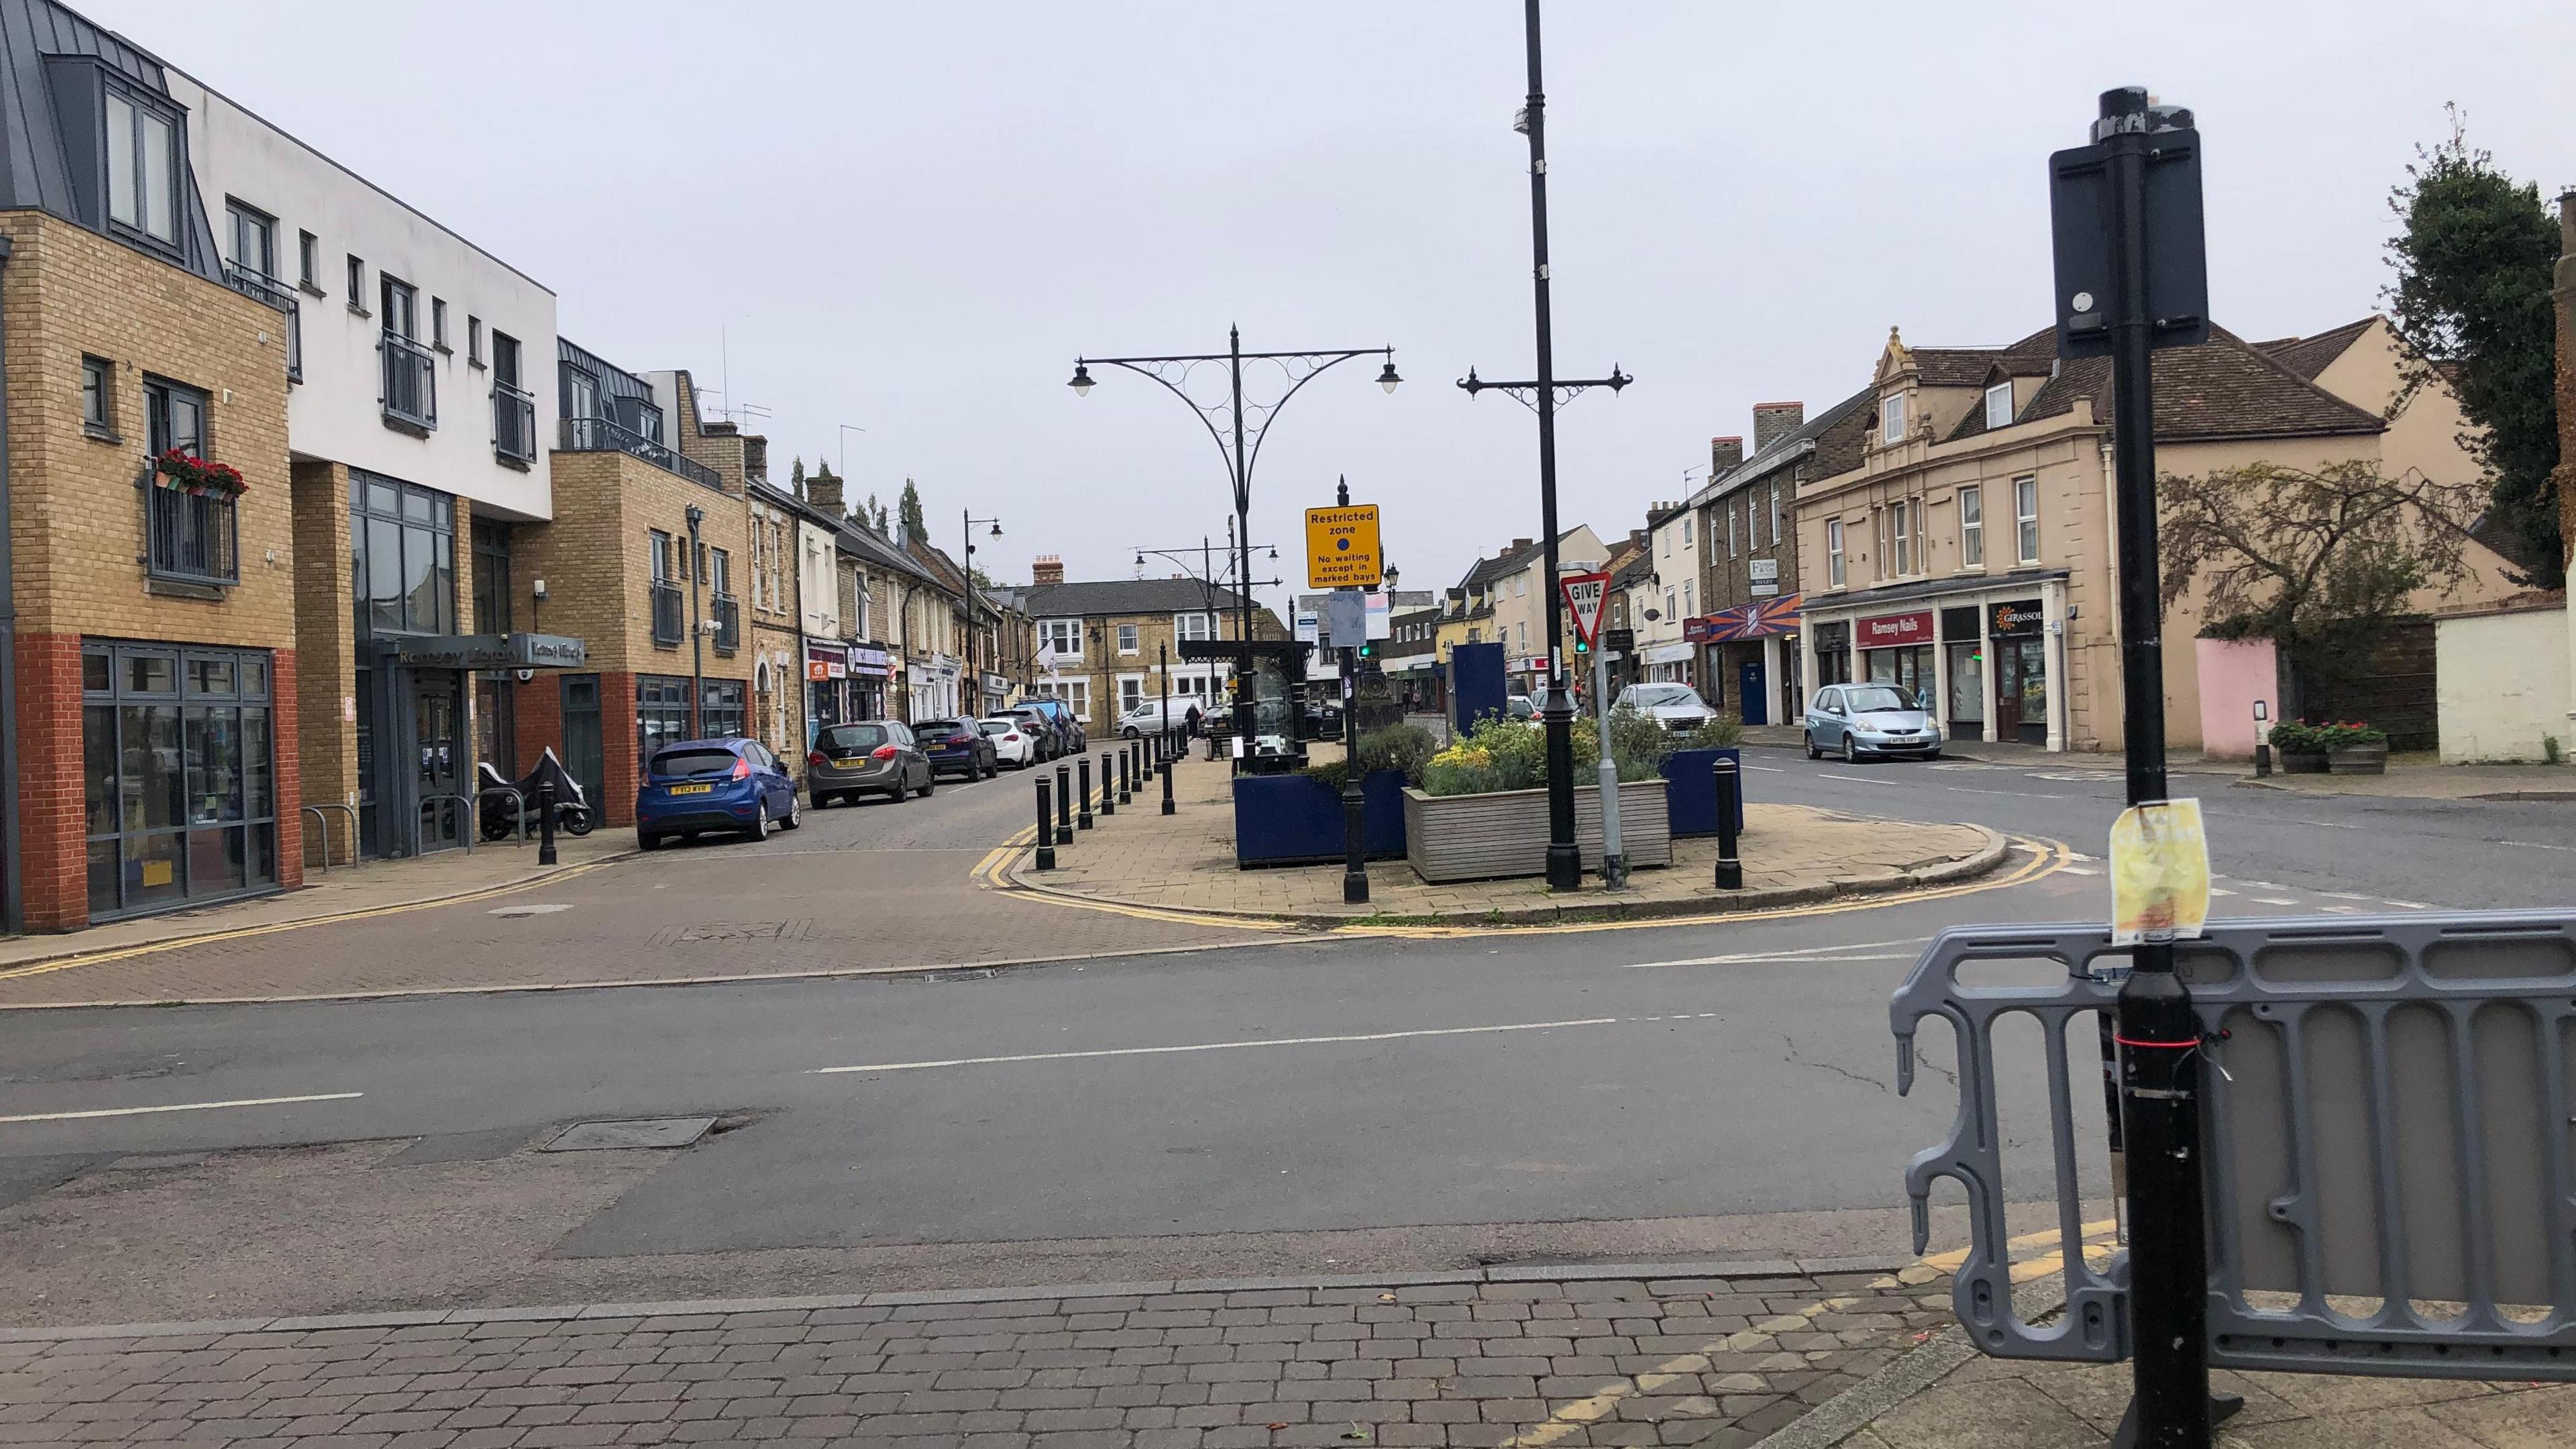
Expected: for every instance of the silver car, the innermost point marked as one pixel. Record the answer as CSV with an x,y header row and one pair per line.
x,y
1857,720
1677,707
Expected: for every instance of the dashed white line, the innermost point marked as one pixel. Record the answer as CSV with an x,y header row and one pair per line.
x,y
2081,870
2274,901
2407,905
2345,896
180,1107
2342,910
2220,891
1219,1046
2535,845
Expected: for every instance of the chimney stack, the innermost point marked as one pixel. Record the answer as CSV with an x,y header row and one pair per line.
x,y
1520,543
1046,568
1723,454
1773,421
823,490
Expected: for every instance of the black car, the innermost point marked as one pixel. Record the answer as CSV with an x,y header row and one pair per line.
x,y
958,745
1052,743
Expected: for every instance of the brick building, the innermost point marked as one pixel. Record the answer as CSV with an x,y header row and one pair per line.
x,y
1105,648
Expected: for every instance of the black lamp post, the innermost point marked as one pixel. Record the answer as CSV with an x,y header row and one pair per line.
x,y
969,535
1237,428
697,635
1556,707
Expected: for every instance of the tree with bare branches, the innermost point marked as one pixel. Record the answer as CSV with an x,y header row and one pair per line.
x,y
2322,563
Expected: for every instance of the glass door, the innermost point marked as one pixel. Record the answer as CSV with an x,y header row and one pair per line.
x,y
583,757
435,736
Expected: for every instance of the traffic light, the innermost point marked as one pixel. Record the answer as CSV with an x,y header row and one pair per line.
x,y
1367,647
1582,645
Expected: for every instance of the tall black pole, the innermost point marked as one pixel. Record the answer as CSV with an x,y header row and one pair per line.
x,y
967,564
1556,707
1243,707
697,635
2159,1033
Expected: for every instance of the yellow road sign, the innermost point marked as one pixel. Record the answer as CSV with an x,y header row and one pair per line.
x,y
1342,548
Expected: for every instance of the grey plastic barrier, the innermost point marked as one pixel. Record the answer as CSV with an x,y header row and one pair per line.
x,y
2392,1142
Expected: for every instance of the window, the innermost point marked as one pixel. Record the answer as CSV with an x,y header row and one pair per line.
x,y
308,260
1834,574
1999,405
403,544
98,397
492,591
357,283
1668,606
505,359
1690,598
1131,690
191,534
2026,517
1668,544
1900,515
1076,694
1194,626
1972,527
1891,418
410,373
401,302
473,339
438,323
662,559
1730,531
720,709
1127,642
1064,636
1686,531
661,711
254,238
142,168
1775,515
180,779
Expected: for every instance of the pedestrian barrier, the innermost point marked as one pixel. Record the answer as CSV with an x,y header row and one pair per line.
x,y
2390,1137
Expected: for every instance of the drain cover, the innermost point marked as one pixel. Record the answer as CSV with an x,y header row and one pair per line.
x,y
642,1132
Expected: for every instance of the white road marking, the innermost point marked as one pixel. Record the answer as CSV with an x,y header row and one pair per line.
x,y
1774,958
1847,775
1767,769
2344,896
2016,794
2342,910
2263,885
2081,870
2080,855
2407,905
508,911
2274,901
2217,891
1219,1046
180,1107
2535,845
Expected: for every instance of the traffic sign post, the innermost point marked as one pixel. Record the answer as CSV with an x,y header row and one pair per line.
x,y
1342,547
1585,596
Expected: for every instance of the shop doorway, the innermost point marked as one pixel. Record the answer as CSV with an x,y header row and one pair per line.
x,y
583,754
438,745
2021,690
1752,699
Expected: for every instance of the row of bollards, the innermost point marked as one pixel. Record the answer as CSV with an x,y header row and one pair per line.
x,y
1069,805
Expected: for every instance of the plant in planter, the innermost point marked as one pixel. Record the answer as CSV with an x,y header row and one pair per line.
x,y
2355,748
1482,809
198,477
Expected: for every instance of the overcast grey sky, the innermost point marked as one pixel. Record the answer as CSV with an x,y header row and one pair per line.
x,y
912,217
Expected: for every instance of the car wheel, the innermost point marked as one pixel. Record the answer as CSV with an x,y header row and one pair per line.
x,y
930,784
758,829
1808,737
1129,732
647,840
1851,752
795,814
899,794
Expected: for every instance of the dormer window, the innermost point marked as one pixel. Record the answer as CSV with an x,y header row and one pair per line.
x,y
142,167
1999,405
1891,418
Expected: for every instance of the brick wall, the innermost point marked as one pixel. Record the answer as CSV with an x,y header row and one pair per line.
x,y
327,641
77,515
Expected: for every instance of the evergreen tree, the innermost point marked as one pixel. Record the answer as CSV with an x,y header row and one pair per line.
x,y
909,506
796,477
2474,259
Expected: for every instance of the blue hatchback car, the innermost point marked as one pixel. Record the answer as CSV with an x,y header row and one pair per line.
x,y
733,785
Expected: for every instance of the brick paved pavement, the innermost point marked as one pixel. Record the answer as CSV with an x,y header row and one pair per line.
x,y
1791,853
1411,1361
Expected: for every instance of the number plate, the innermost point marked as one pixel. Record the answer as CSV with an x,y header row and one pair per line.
x,y
693,789
849,764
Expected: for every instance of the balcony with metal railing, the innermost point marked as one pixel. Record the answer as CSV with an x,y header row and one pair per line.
x,y
260,287
411,383
514,425
728,616
604,435
667,628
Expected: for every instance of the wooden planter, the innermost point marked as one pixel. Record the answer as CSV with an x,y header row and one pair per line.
x,y
2360,760
1488,837
2303,762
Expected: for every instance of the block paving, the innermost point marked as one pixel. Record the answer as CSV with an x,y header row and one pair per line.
x,y
1719,1361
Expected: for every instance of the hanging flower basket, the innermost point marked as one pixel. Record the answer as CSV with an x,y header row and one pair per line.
x,y
198,477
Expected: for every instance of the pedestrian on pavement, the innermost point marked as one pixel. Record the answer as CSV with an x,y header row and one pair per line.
x,y
1194,721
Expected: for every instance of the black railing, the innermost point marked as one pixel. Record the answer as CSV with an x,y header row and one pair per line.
x,y
260,287
411,382
514,424
191,536
603,435
728,616
666,613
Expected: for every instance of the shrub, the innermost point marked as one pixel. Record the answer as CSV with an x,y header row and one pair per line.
x,y
1405,747
1511,755
2296,737
1720,732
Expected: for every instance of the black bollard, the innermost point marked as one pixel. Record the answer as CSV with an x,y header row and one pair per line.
x,y
1082,802
1730,803
1126,771
1046,829
1168,807
1064,805
1108,784
545,822
1355,881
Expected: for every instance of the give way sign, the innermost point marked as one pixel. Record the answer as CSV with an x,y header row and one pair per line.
x,y
1584,596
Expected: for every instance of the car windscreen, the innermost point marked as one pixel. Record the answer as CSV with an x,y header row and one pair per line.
x,y
1647,695
1876,697
696,763
852,739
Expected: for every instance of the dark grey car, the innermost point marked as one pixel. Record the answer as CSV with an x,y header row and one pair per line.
x,y
870,757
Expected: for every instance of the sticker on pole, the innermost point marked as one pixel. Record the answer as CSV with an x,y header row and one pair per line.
x,y
2159,873
1584,596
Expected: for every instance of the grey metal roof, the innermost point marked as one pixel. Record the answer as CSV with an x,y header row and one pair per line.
x,y
41,42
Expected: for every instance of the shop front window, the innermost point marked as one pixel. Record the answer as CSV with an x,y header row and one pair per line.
x,y
179,777
721,710
661,711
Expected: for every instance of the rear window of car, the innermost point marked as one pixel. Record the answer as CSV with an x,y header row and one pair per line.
x,y
998,726
852,738
692,764
937,727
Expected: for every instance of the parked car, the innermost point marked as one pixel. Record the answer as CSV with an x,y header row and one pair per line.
x,y
1150,717
1040,726
1860,720
1521,707
1677,707
730,784
1014,743
1321,720
1060,714
869,757
957,745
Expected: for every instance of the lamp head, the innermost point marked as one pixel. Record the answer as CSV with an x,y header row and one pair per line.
x,y
1081,383
1386,377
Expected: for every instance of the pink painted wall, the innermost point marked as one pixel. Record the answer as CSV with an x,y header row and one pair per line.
x,y
2234,673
